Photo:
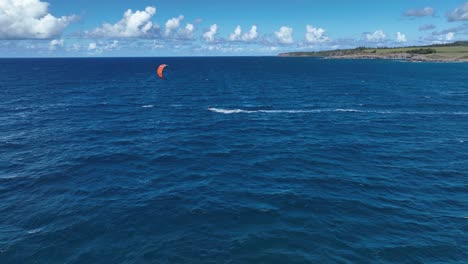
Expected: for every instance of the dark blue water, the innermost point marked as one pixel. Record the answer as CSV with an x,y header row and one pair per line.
x,y
233,160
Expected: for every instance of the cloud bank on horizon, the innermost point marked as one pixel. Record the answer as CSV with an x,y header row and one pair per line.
x,y
29,28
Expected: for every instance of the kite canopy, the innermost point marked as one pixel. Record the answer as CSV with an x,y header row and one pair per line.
x,y
160,70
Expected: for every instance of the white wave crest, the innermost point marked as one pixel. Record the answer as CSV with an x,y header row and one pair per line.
x,y
12,176
238,111
344,110
229,111
148,106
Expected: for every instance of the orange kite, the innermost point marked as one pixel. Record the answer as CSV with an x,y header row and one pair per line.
x,y
160,70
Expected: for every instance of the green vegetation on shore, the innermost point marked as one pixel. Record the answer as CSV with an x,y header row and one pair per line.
x,y
456,51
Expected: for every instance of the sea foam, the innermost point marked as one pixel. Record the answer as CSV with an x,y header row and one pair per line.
x,y
345,110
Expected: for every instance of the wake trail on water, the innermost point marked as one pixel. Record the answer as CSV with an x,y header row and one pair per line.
x,y
349,110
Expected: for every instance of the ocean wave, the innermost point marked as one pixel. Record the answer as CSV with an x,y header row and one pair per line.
x,y
238,111
12,176
34,231
348,110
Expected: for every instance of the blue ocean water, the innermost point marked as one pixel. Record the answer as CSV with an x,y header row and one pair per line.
x,y
233,160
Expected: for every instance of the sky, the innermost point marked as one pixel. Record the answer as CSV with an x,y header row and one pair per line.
x,y
121,28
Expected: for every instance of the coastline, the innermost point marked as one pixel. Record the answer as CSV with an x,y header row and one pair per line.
x,y
451,52
400,56
392,56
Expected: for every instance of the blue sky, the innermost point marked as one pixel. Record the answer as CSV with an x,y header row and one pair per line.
x,y
83,28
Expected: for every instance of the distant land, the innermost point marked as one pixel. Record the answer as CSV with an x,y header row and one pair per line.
x,y
451,52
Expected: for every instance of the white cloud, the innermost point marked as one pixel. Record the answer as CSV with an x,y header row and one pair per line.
x,y
209,36
173,24
213,47
400,37
441,37
315,35
377,36
446,35
284,35
103,46
427,11
56,43
251,34
459,14
189,27
449,36
132,25
112,45
92,46
237,35
187,32
30,19
157,45
220,48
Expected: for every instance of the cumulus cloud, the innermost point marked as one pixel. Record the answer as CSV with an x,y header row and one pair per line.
x,y
427,11
426,27
315,35
209,36
441,37
459,14
187,32
247,36
30,19
400,37
236,35
173,24
377,36
251,34
132,25
56,43
284,35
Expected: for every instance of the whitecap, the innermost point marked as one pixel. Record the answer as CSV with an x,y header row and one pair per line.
x,y
287,111
344,110
229,111
34,231
12,176
148,106
279,111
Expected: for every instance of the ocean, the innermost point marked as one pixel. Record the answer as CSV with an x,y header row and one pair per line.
x,y
233,160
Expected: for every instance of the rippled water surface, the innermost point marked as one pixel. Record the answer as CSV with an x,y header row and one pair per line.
x,y
233,160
